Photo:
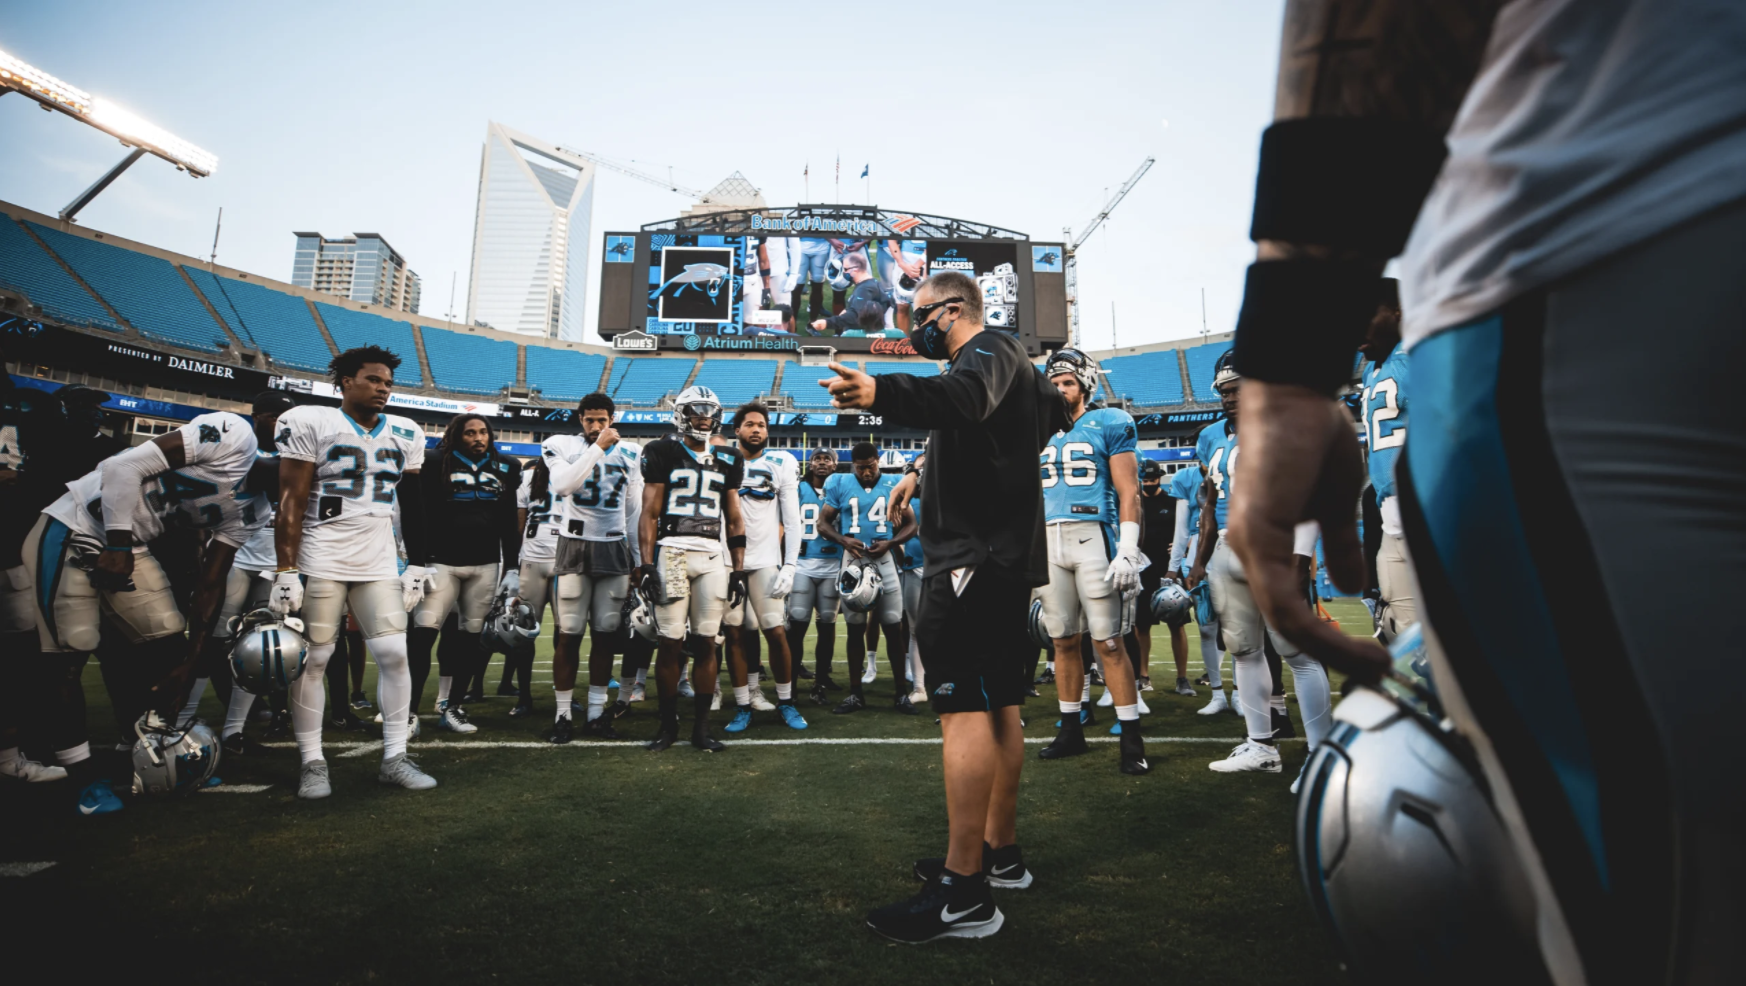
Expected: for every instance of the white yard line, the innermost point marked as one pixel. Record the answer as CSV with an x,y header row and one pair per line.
x,y
364,749
235,789
22,869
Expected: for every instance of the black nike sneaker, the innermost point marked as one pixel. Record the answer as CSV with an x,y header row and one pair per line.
x,y
953,906
701,739
1097,677
1069,742
1046,678
801,672
905,706
854,703
818,694
1004,867
279,726
600,727
1282,728
824,682
619,709
1202,680
240,745
1133,749
348,723
476,695
663,739
1032,692
521,711
560,731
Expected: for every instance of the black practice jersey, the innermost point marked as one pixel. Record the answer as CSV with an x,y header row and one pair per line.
x,y
696,483
1158,525
470,512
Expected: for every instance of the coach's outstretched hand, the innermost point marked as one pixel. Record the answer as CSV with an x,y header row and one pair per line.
x,y
851,390
1300,462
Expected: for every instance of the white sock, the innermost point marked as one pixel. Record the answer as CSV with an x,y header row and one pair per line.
x,y
192,705
1128,713
751,682
309,701
1051,666
1310,679
596,701
73,754
1254,682
1211,656
784,692
917,673
642,675
393,691
743,694
563,702
444,683
236,715
1068,708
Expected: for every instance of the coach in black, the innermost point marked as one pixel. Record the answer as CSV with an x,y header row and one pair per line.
x,y
982,532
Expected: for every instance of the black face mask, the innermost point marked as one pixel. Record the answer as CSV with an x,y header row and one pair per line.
x,y
929,338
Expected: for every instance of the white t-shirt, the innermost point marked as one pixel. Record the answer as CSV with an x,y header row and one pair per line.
x,y
770,505
539,542
348,529
206,493
1591,126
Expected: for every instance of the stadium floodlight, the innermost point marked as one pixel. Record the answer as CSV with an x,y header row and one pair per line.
x,y
143,136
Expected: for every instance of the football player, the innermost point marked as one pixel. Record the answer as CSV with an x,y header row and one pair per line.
x,y
471,534
815,574
1240,620
691,499
540,519
1185,488
1385,424
770,502
341,472
861,500
87,554
1091,484
912,564
1158,510
598,484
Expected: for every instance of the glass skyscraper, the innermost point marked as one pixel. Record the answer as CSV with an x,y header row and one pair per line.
x,y
530,237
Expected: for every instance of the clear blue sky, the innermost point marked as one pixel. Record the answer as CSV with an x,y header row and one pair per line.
x,y
344,117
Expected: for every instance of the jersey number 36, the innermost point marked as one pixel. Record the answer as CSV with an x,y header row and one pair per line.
x,y
1072,471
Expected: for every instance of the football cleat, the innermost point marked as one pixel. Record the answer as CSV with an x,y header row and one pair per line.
x,y
1184,688
826,683
1145,710
1203,680
760,703
346,722
312,781
1248,756
1047,677
520,711
638,693
1106,701
791,716
742,719
819,694
943,909
619,709
872,673
1004,867
400,771
1133,748
600,727
240,745
99,798
905,706
685,689
1215,705
664,739
1282,728
452,717
1143,683
801,672
919,696
853,703
32,772
715,701
561,731
1097,677
1069,742
360,702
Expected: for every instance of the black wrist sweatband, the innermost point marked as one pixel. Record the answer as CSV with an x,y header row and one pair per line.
x,y
736,540
1344,182
1302,321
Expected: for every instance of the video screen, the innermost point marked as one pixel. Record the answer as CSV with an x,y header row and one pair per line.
x,y
814,286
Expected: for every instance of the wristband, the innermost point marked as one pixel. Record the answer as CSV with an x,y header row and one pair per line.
x,y
1302,321
736,540
1344,182
1130,537
763,272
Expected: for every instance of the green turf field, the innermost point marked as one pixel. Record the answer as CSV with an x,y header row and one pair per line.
x,y
607,864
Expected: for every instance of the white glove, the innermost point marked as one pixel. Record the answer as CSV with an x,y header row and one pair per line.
x,y
412,584
783,583
286,595
511,584
1124,574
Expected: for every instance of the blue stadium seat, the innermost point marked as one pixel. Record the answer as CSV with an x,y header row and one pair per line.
x,y
26,269
643,381
1147,379
561,374
1200,360
351,329
801,383
145,290
208,284
469,364
737,381
279,323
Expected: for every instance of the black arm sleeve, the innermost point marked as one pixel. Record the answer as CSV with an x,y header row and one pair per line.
x,y
965,396
508,520
412,520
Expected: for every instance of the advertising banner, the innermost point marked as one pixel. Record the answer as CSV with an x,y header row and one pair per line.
x,y
123,359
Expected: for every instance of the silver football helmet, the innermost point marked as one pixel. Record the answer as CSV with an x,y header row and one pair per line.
x,y
1069,360
1039,632
697,402
1172,605
509,624
172,761
1403,853
891,460
639,615
268,653
834,272
859,583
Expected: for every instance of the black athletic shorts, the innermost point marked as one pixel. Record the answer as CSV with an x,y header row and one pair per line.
x,y
1150,580
975,647
578,557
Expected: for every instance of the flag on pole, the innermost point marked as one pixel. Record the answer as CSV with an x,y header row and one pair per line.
x,y
806,171
864,169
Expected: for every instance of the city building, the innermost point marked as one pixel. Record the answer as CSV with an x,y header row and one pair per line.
x,y
530,237
360,267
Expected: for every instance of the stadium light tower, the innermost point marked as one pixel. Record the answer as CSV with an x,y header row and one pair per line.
x,y
142,136
1071,260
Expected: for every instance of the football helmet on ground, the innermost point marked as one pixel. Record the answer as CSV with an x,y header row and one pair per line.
x,y
269,652
697,402
172,761
859,583
1172,605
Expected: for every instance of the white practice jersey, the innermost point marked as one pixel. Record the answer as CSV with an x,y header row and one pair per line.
x,y
217,450
348,528
770,504
539,537
600,493
259,555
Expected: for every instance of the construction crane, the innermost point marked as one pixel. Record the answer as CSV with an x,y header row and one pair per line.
x,y
1072,250
667,183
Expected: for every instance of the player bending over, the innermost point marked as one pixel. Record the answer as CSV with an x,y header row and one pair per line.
x,y
857,515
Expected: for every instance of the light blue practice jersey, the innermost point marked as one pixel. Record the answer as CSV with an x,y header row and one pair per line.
x,y
1217,452
812,543
863,513
1185,486
912,549
1385,418
1077,484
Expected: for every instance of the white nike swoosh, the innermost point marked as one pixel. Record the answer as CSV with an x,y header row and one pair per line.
x,y
1144,764
1004,870
947,916
86,811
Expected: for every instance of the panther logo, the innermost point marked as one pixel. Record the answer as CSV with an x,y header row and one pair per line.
x,y
209,433
945,689
283,436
